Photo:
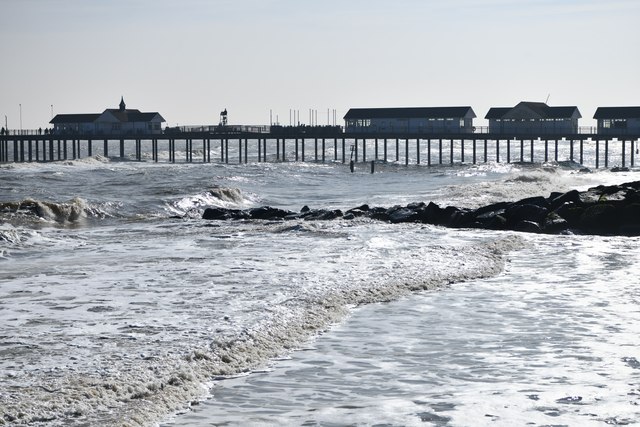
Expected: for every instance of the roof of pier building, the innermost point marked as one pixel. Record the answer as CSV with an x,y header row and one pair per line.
x,y
121,115
617,113
533,110
410,113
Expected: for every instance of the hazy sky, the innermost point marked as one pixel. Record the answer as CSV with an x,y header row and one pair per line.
x,y
190,59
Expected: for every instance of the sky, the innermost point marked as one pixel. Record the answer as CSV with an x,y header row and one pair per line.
x,y
261,59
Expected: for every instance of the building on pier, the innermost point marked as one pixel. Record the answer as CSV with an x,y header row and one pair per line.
x,y
112,121
618,120
533,118
417,120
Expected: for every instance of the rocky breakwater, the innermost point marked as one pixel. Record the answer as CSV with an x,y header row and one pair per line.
x,y
603,210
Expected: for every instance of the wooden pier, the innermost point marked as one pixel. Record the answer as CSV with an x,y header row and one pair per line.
x,y
246,147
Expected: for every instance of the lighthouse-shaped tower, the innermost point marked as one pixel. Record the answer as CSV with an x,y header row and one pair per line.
x,y
122,105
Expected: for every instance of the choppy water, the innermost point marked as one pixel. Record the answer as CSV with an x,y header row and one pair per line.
x,y
119,305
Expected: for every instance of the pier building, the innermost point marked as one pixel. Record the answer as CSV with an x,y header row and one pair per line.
x,y
533,118
415,120
112,121
618,120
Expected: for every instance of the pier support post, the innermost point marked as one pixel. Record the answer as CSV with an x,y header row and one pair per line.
x,y
406,152
303,143
343,151
521,150
364,150
624,154
376,149
73,149
546,150
485,150
498,150
451,151
51,150
581,150
37,151
246,151
462,150
571,149
30,150
226,150
105,148
335,149
397,150
606,153
474,151
315,146
355,151
385,150
89,148
532,151
597,153
418,151
122,148
323,150
278,149
284,147
440,151
64,148
556,150
264,149
632,158
259,150
509,150
429,152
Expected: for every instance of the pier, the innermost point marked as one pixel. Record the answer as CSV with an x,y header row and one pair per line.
x,y
322,145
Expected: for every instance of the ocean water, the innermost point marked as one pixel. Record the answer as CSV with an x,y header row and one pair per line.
x,y
120,306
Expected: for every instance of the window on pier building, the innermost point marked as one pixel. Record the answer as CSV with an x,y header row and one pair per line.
x,y
461,123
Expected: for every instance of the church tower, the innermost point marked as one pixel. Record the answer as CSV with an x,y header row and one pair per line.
x,y
122,104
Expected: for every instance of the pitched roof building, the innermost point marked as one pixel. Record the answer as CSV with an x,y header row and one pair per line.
x,y
112,121
618,120
410,120
533,118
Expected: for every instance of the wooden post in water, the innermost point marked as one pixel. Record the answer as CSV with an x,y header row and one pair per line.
x,y
355,150
474,151
498,150
246,151
556,150
296,144
30,148
284,147
440,151
521,150
335,149
385,150
376,149
226,150
37,151
532,151
509,150
397,150
624,143
581,150
485,150
597,152
364,149
73,149
406,152
632,161
429,152
461,150
546,150
606,153
451,150
121,149
323,150
417,151
315,142
89,148
259,150
571,149
264,149
65,148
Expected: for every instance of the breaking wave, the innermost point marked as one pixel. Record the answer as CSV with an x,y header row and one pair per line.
x,y
61,213
146,389
221,197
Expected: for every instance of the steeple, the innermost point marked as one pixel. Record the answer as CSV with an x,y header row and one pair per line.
x,y
122,104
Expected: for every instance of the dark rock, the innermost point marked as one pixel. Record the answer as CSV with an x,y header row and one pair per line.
x,y
554,223
379,213
525,212
527,227
269,213
491,210
322,215
570,211
216,214
536,201
349,215
304,209
431,214
570,196
403,215
599,218
619,169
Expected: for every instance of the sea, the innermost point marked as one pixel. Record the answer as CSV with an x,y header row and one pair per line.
x,y
121,306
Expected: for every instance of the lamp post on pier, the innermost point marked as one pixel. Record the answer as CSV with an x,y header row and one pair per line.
x,y
20,117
